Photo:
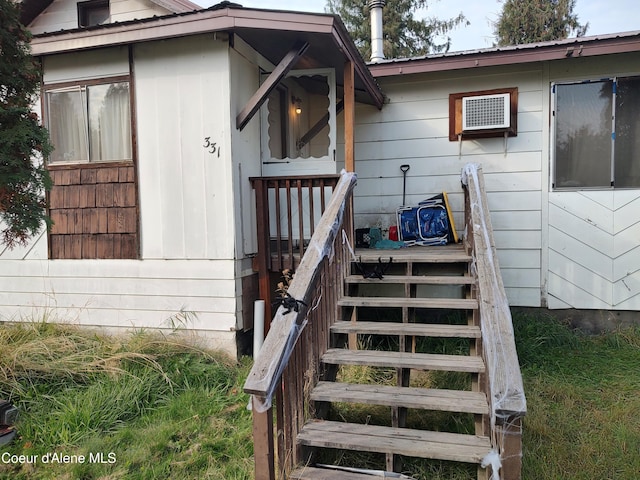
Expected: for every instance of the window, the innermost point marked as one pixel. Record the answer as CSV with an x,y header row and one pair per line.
x,y
94,12
597,134
278,112
298,124
90,123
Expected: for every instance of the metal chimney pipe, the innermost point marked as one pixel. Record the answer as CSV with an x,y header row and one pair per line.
x,y
377,45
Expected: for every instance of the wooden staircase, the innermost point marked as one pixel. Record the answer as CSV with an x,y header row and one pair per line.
x,y
438,327
414,302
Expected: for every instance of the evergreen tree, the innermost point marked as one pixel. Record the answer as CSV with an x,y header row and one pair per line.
x,y
529,21
23,141
403,34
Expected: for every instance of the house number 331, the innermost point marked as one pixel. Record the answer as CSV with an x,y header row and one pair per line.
x,y
212,147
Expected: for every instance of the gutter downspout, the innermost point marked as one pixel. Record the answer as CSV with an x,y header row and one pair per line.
x,y
377,45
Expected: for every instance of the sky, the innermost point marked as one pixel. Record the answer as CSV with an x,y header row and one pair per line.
x,y
604,16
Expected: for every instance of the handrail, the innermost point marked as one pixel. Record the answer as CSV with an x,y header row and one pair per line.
x,y
289,359
505,387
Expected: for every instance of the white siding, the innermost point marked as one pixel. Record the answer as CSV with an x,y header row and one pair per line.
x,y
63,14
86,65
413,128
594,247
244,81
186,193
120,293
186,206
594,236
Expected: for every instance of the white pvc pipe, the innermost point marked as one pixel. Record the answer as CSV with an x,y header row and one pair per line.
x,y
377,43
258,327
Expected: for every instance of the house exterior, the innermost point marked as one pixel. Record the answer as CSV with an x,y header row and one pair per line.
x,y
161,115
154,214
564,190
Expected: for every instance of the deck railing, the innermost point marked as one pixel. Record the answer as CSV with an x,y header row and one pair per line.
x,y
287,366
287,210
504,387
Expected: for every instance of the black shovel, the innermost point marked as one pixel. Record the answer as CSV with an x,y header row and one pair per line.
x,y
404,169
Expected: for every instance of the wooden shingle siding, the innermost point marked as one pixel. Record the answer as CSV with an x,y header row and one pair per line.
x,y
94,213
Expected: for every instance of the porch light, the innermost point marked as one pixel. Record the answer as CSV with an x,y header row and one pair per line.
x,y
297,102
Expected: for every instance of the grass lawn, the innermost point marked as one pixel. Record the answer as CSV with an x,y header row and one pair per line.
x,y
148,407
143,407
583,399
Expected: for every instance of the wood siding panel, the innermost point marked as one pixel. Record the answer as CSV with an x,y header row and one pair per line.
x,y
186,192
571,295
518,258
627,211
126,293
594,249
529,297
580,277
79,66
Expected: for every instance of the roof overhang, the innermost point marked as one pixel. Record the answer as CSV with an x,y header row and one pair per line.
x,y
521,54
270,32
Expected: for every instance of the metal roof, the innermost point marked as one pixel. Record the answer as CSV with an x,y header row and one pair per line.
x,y
533,52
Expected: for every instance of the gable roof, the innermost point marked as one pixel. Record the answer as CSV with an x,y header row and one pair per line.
x,y
272,33
569,48
30,9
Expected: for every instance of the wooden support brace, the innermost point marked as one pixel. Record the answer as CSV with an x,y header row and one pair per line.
x,y
317,128
258,98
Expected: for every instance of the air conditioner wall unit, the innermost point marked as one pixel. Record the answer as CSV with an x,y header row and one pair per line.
x,y
486,112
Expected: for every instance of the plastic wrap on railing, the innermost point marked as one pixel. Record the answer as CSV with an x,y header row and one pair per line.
x,y
263,404
503,393
505,381
316,252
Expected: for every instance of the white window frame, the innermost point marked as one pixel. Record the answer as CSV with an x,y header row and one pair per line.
x,y
294,165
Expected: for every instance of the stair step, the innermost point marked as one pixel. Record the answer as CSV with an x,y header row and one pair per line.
x,y
448,254
445,303
409,397
416,361
401,441
313,473
413,329
414,279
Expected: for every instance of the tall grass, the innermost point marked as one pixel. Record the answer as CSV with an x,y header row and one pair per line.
x,y
151,406
583,398
168,410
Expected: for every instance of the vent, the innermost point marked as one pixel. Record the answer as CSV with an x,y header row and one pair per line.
x,y
485,112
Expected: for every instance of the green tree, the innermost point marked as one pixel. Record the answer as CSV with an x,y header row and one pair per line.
x,y
529,21
23,141
404,35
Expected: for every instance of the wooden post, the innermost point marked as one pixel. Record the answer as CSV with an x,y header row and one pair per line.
x,y
263,452
349,117
510,431
263,257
